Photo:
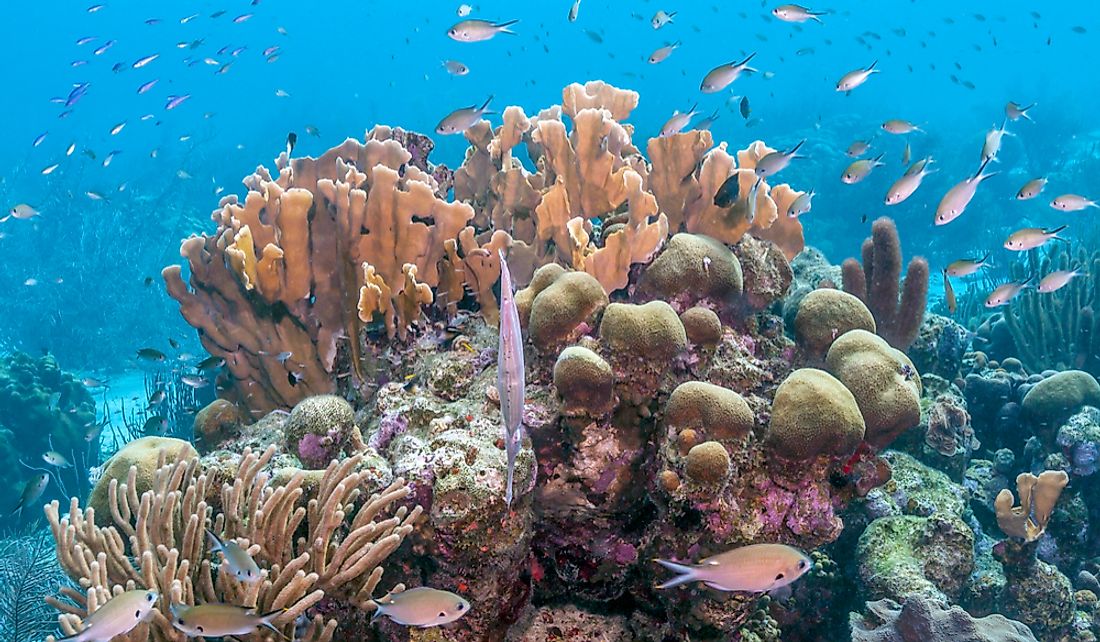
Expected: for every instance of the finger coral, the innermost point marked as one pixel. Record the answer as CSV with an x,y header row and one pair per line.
x,y
157,541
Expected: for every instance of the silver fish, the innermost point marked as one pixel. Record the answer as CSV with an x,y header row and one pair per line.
x,y
796,13
677,122
860,169
1031,189
1072,203
462,119
422,607
478,30
774,162
511,378
239,562
220,620
966,267
118,616
1030,238
1014,111
1057,280
660,54
898,126
54,458
992,145
455,68
755,568
855,78
904,187
800,205
956,199
1004,294
33,489
574,10
721,76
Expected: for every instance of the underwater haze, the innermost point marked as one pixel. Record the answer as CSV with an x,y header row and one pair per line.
x,y
575,320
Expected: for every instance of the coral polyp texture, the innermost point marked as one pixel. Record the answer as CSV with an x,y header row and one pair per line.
x,y
667,412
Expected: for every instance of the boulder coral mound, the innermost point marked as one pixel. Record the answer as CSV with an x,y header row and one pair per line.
x,y
319,429
702,325
710,410
140,459
919,619
814,414
825,314
651,331
584,381
1058,396
563,307
694,267
883,380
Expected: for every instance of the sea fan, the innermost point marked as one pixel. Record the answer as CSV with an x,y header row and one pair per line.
x,y
28,573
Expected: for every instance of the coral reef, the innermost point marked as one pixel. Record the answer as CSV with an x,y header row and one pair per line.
x,y
825,314
877,283
42,409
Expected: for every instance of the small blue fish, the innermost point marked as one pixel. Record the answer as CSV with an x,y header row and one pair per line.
x,y
175,101
85,40
39,138
103,48
95,7
241,18
141,62
146,86
510,372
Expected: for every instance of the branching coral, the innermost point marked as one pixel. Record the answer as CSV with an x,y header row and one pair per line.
x,y
878,280
157,541
1038,495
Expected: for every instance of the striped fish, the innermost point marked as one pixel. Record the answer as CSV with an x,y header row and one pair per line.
x,y
510,374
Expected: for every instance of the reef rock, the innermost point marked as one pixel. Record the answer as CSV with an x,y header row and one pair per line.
x,y
814,414
1057,397
825,314
319,429
920,619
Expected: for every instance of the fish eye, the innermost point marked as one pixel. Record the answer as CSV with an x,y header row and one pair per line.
x,y
180,622
199,629
801,563
461,606
150,597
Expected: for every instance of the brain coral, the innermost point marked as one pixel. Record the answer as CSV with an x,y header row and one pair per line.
x,y
883,380
702,326
694,267
141,454
563,308
585,382
814,414
318,429
716,412
652,331
825,314
708,463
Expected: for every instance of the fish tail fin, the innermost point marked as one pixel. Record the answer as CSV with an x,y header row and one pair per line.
x,y
486,104
511,447
4,220
1092,204
985,258
747,59
715,115
266,622
215,542
692,110
816,18
794,150
872,67
685,571
502,27
675,44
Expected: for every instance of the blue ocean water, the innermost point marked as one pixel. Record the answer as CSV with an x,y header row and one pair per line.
x,y
348,66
